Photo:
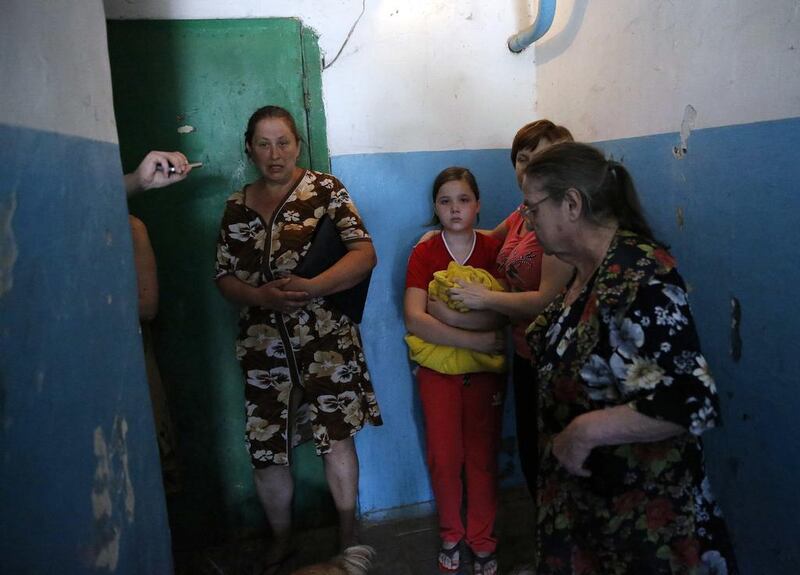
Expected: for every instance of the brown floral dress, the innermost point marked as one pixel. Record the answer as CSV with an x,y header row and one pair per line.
x,y
647,508
315,349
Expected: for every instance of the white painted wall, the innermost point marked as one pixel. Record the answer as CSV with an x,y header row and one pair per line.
x,y
415,75
73,98
612,69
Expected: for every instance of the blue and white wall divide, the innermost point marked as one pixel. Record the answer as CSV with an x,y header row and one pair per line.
x,y
701,100
79,472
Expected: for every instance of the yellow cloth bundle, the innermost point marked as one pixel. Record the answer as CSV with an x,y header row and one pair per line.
x,y
445,358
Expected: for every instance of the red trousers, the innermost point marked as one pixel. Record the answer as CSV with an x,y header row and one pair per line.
x,y
463,416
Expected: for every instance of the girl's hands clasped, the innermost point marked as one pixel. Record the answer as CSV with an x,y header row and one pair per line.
x,y
491,341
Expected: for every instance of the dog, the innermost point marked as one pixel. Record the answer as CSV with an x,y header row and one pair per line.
x,y
355,560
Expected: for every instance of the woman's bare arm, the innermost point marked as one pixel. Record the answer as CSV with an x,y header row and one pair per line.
x,y
524,305
472,320
271,295
146,270
354,266
612,426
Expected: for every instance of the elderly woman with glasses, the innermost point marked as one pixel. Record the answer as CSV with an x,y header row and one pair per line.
x,y
624,391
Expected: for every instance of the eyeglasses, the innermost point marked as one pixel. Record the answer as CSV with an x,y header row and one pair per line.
x,y
527,211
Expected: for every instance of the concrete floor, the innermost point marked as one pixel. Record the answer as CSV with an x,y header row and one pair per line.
x,y
404,547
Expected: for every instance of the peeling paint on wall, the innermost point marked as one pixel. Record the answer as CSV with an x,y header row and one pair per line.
x,y
186,129
8,244
679,217
687,125
38,379
112,484
736,337
238,175
106,551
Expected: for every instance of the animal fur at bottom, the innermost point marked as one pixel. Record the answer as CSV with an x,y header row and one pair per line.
x,y
354,560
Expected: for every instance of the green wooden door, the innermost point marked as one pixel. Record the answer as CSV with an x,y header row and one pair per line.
x,y
191,86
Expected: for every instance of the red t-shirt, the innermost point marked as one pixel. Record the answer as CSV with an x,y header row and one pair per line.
x,y
520,262
432,256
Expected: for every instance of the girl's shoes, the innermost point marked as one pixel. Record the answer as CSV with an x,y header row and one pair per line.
x,y
486,565
450,559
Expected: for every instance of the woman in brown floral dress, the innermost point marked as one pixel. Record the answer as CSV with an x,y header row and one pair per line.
x,y
624,391
302,359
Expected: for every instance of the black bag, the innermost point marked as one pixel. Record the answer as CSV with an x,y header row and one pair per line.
x,y
326,249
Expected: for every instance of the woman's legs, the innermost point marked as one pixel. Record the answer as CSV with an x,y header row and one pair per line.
x,y
441,405
341,471
275,487
483,413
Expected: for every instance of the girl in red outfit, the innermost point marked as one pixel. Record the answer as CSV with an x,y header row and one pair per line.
x,y
533,278
462,412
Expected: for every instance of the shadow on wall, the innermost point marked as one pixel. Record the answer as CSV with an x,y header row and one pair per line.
x,y
556,44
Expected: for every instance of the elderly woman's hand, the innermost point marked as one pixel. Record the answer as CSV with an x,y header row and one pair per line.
x,y
473,295
571,448
274,295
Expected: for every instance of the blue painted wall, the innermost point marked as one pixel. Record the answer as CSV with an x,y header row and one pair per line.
x,y
72,376
737,189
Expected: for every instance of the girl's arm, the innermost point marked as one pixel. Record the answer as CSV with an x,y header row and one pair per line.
x,y
472,320
523,305
420,323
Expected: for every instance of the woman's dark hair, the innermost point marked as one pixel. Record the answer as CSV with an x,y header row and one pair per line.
x,y
453,174
270,112
605,185
529,136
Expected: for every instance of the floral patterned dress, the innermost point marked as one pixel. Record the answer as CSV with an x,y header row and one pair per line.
x,y
316,348
647,508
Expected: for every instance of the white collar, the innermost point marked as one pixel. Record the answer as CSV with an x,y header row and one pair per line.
x,y
471,249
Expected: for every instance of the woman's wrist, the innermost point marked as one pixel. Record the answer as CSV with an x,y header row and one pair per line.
x,y
584,430
489,300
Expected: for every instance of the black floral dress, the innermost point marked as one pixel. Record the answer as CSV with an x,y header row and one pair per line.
x,y
316,349
647,508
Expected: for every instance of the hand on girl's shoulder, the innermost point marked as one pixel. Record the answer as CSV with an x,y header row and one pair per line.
x,y
490,240
427,236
